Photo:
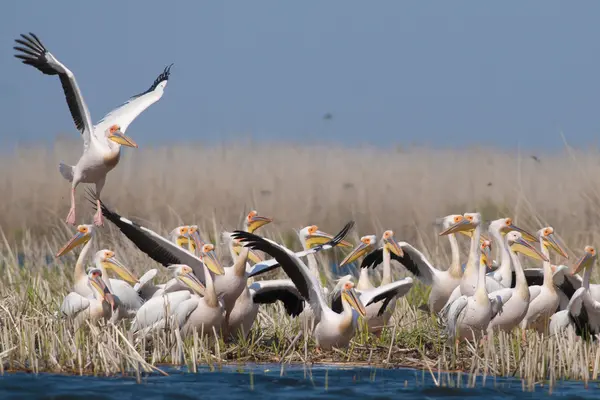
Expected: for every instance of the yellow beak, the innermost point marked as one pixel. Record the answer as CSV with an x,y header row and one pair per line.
x,y
393,246
584,262
461,226
526,235
319,238
192,282
120,138
257,221
524,247
252,255
121,270
77,240
212,263
550,240
358,252
352,298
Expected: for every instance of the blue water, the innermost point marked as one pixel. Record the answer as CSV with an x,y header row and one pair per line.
x,y
262,381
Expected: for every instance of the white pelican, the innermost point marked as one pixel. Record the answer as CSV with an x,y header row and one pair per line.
x,y
102,142
160,249
379,313
442,282
105,260
332,329
583,312
515,307
101,305
153,314
468,316
542,306
504,273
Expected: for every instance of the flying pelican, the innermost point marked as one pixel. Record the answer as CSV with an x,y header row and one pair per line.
x,y
468,316
101,305
105,260
515,307
583,312
332,329
379,313
542,306
102,142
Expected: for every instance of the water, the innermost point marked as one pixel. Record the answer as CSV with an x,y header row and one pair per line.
x,y
262,381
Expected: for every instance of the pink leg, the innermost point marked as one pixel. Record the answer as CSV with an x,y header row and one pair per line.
x,y
98,216
71,217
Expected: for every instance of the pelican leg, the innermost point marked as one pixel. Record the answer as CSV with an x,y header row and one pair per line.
x,y
98,216
71,216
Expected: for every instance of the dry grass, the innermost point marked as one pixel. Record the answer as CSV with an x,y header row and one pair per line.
x,y
379,189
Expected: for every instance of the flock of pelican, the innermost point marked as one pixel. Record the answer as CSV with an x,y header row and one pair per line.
x,y
204,296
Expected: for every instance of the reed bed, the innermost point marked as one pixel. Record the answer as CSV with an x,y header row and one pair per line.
x,y
214,186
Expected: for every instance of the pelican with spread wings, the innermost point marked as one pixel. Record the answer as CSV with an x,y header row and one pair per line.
x,y
101,142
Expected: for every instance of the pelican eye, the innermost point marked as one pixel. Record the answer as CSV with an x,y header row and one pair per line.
x,y
508,221
458,218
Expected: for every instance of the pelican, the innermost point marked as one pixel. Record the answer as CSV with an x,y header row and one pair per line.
x,y
583,312
332,329
442,282
105,260
101,305
504,273
379,313
102,142
367,244
545,303
155,313
468,316
515,307
311,236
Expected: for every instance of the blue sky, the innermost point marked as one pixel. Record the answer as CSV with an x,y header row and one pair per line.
x,y
436,73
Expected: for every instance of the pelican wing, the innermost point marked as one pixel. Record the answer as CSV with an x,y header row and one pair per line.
x,y
153,312
305,281
387,293
498,298
534,291
145,279
32,52
155,246
268,292
127,112
413,260
129,299
73,304
271,264
450,314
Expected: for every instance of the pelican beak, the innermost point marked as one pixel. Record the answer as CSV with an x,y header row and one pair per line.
x,y
464,225
256,221
469,234
526,235
352,298
196,242
212,263
319,237
553,244
358,252
524,247
192,282
252,255
584,262
99,284
121,270
185,243
393,246
77,240
486,256
119,137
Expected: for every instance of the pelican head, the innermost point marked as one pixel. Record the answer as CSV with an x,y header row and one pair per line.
x,y
390,243
106,258
367,244
519,245
254,221
114,133
235,246
181,237
185,275
463,223
505,225
311,236
96,282
209,258
82,236
486,252
349,295
547,237
587,260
